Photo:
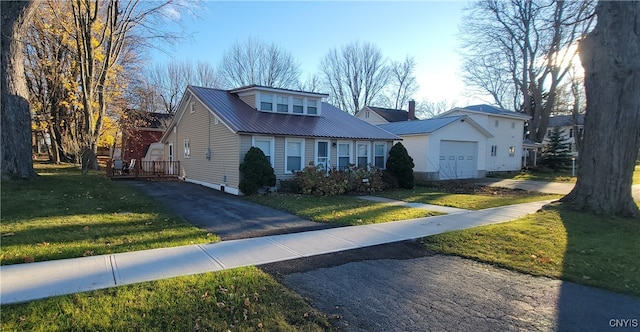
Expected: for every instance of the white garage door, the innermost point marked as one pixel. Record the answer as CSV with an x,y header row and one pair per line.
x,y
458,160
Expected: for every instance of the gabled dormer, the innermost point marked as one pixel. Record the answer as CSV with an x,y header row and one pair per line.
x,y
284,101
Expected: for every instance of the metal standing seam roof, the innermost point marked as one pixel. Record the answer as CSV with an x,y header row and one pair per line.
x,y
494,110
420,126
242,118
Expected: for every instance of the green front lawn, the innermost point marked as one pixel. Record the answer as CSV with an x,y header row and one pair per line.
x,y
565,176
342,210
558,243
483,198
243,299
63,214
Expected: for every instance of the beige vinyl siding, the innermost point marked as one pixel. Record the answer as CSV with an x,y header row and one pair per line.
x,y
249,100
200,128
309,152
279,158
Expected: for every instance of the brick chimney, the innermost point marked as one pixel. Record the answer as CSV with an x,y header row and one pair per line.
x,y
412,110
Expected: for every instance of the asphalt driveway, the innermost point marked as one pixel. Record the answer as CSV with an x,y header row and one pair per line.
x,y
225,215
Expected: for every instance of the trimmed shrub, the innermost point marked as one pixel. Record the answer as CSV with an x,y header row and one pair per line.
x,y
255,172
314,181
289,186
362,180
400,164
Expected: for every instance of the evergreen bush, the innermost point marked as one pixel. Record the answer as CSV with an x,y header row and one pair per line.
x,y
255,172
400,164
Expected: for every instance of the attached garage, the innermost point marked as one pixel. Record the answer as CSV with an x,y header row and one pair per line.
x,y
458,160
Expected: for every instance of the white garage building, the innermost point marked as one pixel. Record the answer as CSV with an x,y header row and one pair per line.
x,y
444,148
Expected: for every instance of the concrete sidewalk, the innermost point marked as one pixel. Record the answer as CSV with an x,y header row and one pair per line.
x,y
561,188
31,281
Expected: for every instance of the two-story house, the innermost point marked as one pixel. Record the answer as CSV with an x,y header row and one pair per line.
x,y
213,129
570,129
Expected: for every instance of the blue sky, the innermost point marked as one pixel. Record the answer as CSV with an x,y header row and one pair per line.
x,y
425,30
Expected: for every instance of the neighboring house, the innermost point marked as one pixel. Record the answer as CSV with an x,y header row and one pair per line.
x,y
213,129
566,124
444,148
504,149
140,131
379,115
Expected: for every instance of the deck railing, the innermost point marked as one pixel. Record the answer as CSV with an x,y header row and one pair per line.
x,y
146,169
152,168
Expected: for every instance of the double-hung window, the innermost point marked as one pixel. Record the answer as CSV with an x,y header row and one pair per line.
x,y
494,150
362,154
312,106
187,148
294,152
298,106
344,156
282,104
512,151
266,102
266,145
379,155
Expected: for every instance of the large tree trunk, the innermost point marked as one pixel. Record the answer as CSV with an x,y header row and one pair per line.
x,y
15,123
610,56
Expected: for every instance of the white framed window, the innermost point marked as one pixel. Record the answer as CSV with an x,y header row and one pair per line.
x,y
344,155
512,151
187,148
298,105
494,150
362,154
266,144
266,102
282,104
322,154
366,114
380,154
215,120
294,152
312,106
192,107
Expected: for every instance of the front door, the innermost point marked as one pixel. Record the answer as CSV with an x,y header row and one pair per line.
x,y
322,154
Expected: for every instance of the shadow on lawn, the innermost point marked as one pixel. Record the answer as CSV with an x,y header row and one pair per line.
x,y
602,252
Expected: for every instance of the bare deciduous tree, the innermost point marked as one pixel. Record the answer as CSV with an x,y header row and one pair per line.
x,y
167,82
527,44
15,146
427,109
610,55
256,62
354,75
402,83
103,32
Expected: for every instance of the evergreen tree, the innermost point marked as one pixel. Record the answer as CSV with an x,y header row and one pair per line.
x,y
556,154
255,172
400,164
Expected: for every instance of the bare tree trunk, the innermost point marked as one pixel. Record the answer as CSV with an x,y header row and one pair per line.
x,y
16,154
611,58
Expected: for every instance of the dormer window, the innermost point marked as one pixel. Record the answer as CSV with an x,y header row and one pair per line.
x,y
266,102
312,106
282,104
298,106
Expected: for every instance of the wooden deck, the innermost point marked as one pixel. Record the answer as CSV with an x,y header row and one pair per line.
x,y
145,170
